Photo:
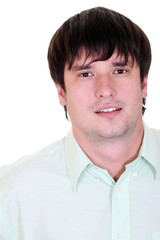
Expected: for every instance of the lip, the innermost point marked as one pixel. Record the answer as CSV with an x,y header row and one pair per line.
x,y
109,114
108,106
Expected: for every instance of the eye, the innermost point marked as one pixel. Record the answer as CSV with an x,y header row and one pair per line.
x,y
86,74
120,71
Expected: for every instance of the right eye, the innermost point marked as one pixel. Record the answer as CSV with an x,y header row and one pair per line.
x,y
86,74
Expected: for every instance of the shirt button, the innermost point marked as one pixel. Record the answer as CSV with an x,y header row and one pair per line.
x,y
93,167
135,174
97,178
120,235
118,190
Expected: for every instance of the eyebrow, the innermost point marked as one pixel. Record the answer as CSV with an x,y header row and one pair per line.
x,y
81,67
122,64
89,65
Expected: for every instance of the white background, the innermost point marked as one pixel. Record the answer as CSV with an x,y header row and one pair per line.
x,y
30,115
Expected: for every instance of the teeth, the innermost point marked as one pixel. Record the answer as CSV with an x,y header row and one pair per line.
x,y
108,110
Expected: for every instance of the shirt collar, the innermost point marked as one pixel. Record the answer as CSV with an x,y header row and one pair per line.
x,y
150,149
76,159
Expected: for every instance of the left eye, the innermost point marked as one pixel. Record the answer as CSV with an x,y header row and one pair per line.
x,y
85,74
120,71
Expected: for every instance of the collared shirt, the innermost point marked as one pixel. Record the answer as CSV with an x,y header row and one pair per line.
x,y
58,194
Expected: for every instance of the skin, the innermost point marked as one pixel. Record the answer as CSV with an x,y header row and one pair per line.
x,y
92,86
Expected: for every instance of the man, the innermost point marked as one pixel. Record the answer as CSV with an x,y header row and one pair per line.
x,y
102,181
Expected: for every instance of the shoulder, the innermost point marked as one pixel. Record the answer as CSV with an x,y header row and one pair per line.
x,y
34,165
151,133
156,133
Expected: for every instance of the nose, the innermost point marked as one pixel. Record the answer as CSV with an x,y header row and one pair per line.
x,y
105,87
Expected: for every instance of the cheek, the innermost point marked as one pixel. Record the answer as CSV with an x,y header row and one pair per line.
x,y
137,100
79,92
78,100
132,95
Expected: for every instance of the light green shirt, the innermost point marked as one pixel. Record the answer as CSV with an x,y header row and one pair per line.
x,y
58,194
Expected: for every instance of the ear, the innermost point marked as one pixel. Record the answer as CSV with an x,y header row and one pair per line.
x,y
144,87
61,95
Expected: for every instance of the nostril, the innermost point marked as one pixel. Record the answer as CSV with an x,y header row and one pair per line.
x,y
105,95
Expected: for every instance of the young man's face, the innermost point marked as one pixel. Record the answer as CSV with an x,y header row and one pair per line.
x,y
103,98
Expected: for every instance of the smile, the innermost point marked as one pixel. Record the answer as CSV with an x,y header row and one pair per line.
x,y
108,110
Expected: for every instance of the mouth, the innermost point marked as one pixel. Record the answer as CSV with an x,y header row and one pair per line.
x,y
108,110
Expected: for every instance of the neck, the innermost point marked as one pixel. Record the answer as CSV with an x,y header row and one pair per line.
x,y
113,155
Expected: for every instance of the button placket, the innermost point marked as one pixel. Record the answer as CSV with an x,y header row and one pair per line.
x,y
121,210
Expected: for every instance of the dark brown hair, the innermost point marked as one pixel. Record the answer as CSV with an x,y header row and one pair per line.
x,y
99,31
